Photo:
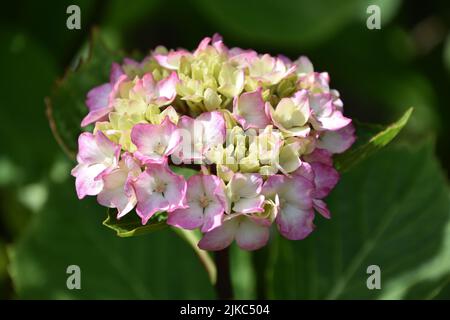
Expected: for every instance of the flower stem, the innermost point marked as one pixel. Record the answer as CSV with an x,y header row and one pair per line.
x,y
224,288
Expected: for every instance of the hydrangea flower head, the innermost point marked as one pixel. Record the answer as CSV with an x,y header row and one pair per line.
x,y
260,130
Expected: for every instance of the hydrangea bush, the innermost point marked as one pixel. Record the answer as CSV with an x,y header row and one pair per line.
x,y
261,131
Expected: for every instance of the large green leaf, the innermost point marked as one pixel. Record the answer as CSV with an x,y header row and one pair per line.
x,y
370,139
66,105
393,211
68,231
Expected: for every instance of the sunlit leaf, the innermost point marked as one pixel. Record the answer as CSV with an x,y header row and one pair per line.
x,y
369,144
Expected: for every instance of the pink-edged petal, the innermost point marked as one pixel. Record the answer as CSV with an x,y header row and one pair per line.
x,y
98,97
189,218
250,111
202,45
296,190
115,73
295,223
167,87
322,208
247,185
217,43
171,60
114,193
305,170
95,116
337,141
205,195
159,189
97,102
86,181
117,189
272,185
214,129
190,132
335,122
215,189
155,142
304,65
146,87
249,205
221,237
213,215
251,235
321,156
97,148
325,179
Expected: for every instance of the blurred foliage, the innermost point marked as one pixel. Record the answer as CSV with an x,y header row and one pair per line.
x,y
66,105
379,73
157,266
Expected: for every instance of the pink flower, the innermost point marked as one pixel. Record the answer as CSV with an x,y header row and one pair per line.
x,y
325,114
205,197
155,142
171,60
160,93
249,232
117,189
304,66
199,135
100,99
249,110
337,141
295,216
318,168
244,193
216,42
291,115
269,70
246,225
97,156
159,189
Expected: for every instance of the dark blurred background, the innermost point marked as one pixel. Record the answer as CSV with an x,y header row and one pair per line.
x,y
379,73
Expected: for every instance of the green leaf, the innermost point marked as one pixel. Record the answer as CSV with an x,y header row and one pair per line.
x,y
130,225
66,105
392,210
366,146
68,232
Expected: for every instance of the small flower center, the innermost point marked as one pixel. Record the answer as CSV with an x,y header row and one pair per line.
x,y
160,187
204,201
160,148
